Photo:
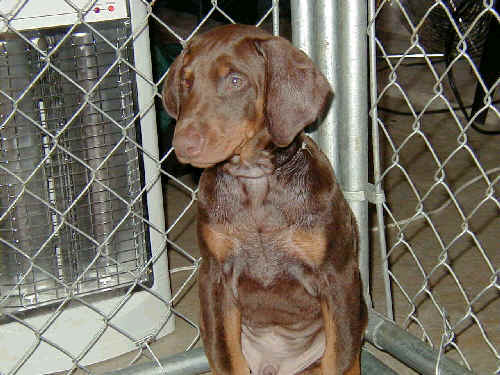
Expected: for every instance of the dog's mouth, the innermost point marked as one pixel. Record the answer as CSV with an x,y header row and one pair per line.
x,y
202,165
203,158
196,163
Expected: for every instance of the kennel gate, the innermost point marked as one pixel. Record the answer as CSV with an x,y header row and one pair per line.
x,y
341,36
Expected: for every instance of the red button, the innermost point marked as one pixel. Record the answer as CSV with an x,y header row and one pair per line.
x,y
111,8
97,9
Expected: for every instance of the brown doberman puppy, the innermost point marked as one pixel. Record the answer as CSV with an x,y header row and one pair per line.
x,y
279,284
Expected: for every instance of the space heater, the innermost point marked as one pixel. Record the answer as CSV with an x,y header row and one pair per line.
x,y
81,213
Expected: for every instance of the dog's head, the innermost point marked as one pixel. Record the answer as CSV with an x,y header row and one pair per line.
x,y
233,81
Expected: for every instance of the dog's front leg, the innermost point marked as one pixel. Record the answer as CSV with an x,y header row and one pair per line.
x,y
329,360
344,318
220,323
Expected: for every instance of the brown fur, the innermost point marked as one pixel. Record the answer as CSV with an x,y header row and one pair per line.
x,y
280,290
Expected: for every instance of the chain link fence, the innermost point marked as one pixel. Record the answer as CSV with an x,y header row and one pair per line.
x,y
90,266
435,119
98,255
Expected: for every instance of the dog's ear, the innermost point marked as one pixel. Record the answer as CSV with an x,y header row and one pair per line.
x,y
296,90
171,87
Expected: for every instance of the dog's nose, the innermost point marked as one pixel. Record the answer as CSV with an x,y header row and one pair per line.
x,y
188,143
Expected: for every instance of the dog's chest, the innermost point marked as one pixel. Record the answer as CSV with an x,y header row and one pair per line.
x,y
255,210
258,208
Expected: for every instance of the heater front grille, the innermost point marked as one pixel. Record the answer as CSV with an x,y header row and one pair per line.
x,y
70,170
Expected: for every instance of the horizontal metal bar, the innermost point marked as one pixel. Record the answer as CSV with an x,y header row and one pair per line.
x,y
372,365
413,55
186,363
407,348
195,362
381,332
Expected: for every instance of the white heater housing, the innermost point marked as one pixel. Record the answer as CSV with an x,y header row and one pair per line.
x,y
69,186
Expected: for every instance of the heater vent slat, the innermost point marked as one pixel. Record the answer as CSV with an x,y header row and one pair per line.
x,y
69,178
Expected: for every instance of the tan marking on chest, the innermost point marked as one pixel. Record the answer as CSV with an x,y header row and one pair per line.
x,y
219,242
309,246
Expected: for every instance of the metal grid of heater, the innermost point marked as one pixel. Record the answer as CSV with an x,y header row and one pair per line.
x,y
69,166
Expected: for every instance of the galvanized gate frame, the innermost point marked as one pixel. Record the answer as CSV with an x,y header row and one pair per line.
x,y
338,35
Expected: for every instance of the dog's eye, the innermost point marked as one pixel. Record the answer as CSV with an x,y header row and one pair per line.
x,y
236,81
187,83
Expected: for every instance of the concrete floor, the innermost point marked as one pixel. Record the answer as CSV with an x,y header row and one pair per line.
x,y
418,248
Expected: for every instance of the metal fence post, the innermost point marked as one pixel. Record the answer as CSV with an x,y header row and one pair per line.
x,y
333,33
378,188
325,48
350,111
313,33
302,13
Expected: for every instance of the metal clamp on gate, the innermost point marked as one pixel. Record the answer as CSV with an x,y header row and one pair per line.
x,y
370,195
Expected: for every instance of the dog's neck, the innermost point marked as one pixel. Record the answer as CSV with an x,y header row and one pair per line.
x,y
255,165
259,157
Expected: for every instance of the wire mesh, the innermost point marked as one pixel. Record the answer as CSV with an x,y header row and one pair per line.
x,y
437,231
74,223
75,231
66,166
